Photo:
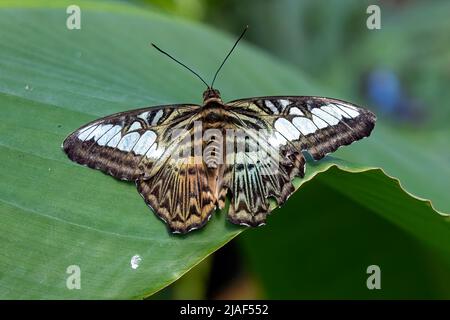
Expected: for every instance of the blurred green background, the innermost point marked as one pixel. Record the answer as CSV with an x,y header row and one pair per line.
x,y
401,71
321,242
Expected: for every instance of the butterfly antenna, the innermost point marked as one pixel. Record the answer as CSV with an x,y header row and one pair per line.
x,y
179,62
229,53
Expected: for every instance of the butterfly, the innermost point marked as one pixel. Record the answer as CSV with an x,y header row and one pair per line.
x,y
185,159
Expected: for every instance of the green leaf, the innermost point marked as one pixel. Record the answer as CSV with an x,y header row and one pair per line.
x,y
55,213
339,224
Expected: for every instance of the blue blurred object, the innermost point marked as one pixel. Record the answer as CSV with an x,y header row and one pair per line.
x,y
384,89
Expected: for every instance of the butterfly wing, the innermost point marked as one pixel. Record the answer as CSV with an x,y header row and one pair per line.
x,y
126,145
139,145
181,194
294,124
258,169
315,124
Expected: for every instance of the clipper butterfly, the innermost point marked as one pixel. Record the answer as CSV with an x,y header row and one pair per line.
x,y
249,149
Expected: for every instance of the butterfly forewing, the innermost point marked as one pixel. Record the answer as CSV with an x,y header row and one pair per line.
x,y
314,124
127,144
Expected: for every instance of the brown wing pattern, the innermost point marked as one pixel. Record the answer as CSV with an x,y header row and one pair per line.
x,y
180,195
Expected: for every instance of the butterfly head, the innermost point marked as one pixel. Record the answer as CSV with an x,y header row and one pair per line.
x,y
210,95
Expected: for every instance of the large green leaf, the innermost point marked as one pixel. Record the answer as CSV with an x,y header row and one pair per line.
x,y
55,213
337,226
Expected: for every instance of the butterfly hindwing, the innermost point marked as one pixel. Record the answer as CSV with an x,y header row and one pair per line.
x,y
253,180
180,194
181,188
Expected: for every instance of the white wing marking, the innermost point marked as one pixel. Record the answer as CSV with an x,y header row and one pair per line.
x,y
128,141
286,129
284,103
347,106
154,152
135,126
99,132
328,118
144,143
305,125
115,140
319,122
144,116
158,116
296,111
350,111
109,135
271,106
86,132
276,140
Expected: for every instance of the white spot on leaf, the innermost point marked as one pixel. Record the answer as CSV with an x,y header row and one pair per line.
x,y
135,261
